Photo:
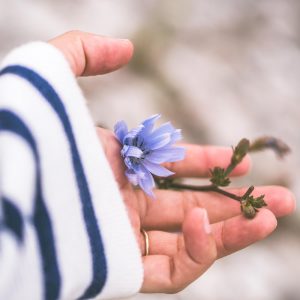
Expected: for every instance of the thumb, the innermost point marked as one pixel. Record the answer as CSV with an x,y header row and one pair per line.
x,y
90,54
199,242
200,250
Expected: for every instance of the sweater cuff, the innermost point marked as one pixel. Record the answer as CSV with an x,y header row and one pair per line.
x,y
124,272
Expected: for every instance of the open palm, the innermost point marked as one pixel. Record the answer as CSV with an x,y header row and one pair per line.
x,y
182,245
178,258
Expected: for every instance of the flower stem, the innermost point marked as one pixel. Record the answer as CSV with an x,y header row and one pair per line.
x,y
204,188
229,169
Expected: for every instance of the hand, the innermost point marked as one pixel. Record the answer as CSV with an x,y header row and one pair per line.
x,y
176,259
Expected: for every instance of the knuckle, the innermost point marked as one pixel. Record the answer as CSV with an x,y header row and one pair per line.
x,y
223,249
189,201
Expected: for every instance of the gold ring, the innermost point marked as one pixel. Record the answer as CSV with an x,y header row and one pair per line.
x,y
145,234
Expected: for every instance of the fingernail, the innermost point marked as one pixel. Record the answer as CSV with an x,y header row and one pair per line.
x,y
206,225
124,41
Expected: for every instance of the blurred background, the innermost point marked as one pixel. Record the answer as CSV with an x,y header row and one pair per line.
x,y
220,70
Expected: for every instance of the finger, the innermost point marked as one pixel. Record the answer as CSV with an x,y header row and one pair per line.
x,y
170,208
90,54
166,274
230,236
164,243
238,232
200,159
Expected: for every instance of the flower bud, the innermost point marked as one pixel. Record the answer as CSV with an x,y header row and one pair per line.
x,y
248,210
240,151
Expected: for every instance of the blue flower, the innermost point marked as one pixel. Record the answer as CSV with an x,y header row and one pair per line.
x,y
144,149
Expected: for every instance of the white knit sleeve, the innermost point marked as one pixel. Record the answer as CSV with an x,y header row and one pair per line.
x,y
64,229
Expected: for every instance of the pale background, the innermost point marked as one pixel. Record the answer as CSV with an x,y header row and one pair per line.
x,y
220,70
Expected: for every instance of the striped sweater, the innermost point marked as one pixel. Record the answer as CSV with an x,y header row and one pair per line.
x,y
64,230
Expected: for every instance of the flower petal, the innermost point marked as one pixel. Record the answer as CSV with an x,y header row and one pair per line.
x,y
164,128
159,141
120,130
175,136
128,163
132,134
148,125
156,169
170,154
131,151
151,120
139,170
132,177
147,184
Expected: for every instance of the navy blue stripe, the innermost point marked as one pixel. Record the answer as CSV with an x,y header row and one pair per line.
x,y
41,219
97,251
12,219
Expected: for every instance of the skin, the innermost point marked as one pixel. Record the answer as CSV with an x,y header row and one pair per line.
x,y
175,259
